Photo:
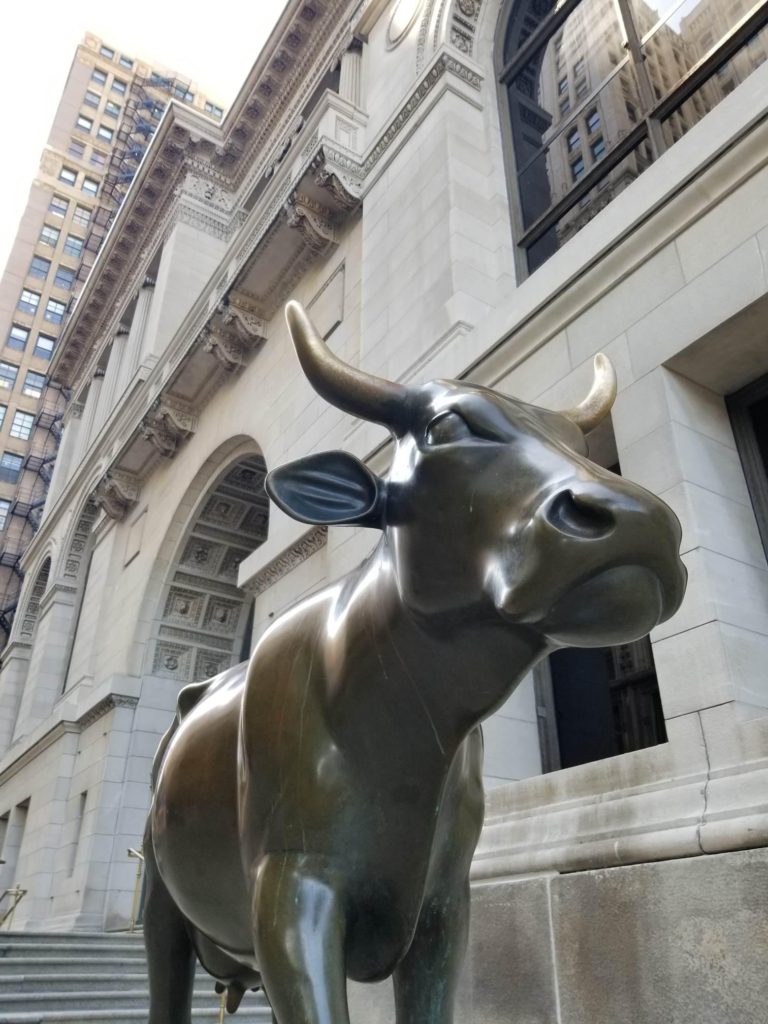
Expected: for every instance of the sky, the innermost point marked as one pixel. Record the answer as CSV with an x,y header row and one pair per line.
x,y
214,45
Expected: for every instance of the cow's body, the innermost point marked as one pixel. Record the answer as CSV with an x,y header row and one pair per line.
x,y
315,817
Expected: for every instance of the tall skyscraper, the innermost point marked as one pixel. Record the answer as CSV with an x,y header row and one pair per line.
x,y
108,112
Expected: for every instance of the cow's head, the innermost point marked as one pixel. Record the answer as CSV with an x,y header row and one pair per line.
x,y
491,506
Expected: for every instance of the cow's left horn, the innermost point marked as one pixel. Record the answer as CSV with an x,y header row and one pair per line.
x,y
362,394
602,394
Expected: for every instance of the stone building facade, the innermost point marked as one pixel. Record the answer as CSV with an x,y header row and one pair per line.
x,y
376,167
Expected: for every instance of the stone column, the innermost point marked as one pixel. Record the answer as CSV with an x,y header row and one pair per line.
x,y
350,80
64,466
12,679
89,414
134,343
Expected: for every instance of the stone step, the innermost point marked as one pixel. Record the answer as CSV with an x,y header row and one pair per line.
x,y
80,981
104,1001
75,948
98,965
118,1016
65,938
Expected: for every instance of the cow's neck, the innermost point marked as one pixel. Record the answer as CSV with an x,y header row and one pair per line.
x,y
424,684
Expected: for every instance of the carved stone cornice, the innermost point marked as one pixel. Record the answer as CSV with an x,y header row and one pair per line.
x,y
244,321
344,185
116,493
312,220
168,422
104,706
233,334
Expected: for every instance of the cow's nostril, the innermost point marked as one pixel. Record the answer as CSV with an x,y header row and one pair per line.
x,y
580,515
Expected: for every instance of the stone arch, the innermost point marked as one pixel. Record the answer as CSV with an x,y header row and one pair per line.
x,y
32,605
202,616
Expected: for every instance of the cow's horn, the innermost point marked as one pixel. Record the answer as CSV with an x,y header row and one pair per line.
x,y
363,395
597,404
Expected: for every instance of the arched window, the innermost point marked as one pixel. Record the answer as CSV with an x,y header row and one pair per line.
x,y
595,90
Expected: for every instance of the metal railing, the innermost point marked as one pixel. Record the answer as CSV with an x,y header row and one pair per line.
x,y
16,894
139,858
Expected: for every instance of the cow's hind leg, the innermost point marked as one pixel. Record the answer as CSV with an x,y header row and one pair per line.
x,y
170,954
299,940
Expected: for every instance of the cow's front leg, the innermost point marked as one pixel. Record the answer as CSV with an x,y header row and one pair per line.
x,y
299,940
427,979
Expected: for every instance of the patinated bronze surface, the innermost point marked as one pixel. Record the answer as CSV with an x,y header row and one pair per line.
x,y
315,813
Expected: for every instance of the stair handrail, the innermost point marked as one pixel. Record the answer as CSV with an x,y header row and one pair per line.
x,y
139,857
16,894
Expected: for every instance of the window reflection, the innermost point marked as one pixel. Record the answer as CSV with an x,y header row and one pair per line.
x,y
583,93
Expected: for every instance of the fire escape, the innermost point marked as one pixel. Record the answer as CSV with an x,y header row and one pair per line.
x,y
27,508
146,102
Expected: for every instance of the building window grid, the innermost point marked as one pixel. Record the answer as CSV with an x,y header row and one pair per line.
x,y
58,206
676,95
3,411
85,124
90,187
22,425
39,267
76,149
54,311
18,337
8,374
33,384
99,76
68,175
64,278
91,99
5,506
73,246
82,216
44,346
105,133
10,467
29,301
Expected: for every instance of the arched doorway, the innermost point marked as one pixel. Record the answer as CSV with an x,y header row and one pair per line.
x,y
204,621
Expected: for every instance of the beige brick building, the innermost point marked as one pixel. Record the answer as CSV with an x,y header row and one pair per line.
x,y
403,169
108,112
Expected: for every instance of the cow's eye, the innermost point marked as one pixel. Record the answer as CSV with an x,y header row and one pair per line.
x,y
446,428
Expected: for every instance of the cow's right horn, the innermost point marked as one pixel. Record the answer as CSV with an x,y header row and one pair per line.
x,y
361,394
596,406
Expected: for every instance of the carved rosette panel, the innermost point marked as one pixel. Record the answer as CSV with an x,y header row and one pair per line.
x,y
116,493
166,424
464,17
313,221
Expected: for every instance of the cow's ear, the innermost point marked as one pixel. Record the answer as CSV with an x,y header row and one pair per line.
x,y
328,489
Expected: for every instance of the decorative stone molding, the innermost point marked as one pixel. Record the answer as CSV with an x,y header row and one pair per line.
x,y
168,422
116,493
312,220
312,541
341,182
464,15
241,319
104,706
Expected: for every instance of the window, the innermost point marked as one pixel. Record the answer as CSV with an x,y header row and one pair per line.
x,y
76,149
211,108
73,246
49,235
65,278
98,159
119,87
44,346
5,506
17,337
8,373
55,310
90,187
29,301
182,93
33,384
91,99
573,139
66,174
98,76
112,109
105,51
84,123
748,409
577,169
10,467
587,37
58,206
126,62
105,133
22,425
39,267
82,215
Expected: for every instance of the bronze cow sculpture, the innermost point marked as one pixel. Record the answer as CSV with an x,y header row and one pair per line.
x,y
315,814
